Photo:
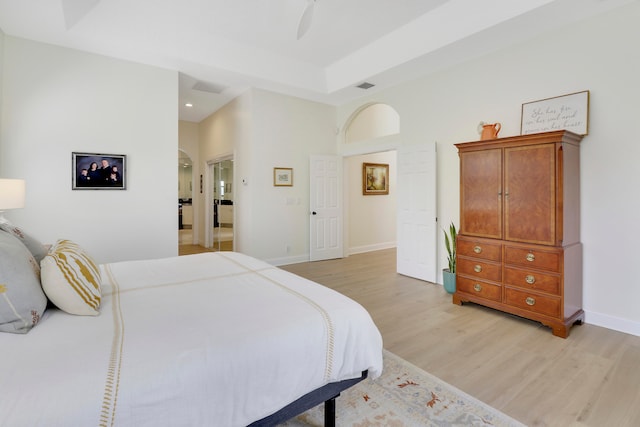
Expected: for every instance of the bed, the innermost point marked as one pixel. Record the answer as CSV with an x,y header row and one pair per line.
x,y
210,339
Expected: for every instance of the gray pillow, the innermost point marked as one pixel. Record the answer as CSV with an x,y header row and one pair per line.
x,y
37,249
22,300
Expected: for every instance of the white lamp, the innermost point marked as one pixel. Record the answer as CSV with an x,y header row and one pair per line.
x,y
11,195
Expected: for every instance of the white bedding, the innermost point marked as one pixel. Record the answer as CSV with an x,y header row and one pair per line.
x,y
212,339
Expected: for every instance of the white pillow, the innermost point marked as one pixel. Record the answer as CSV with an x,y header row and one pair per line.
x,y
71,279
22,301
37,249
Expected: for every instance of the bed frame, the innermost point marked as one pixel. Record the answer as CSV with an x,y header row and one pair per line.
x,y
326,394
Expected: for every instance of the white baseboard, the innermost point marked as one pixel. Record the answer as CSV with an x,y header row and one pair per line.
x,y
371,248
288,260
351,251
612,322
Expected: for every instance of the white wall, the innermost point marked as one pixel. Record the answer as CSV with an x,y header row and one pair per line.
x,y
591,55
286,132
372,220
1,79
266,130
225,133
374,121
188,135
56,101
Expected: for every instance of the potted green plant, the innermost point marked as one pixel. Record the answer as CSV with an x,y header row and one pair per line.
x,y
449,274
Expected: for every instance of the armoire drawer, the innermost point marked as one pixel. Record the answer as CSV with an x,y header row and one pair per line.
x,y
479,269
533,258
477,287
479,249
547,305
549,283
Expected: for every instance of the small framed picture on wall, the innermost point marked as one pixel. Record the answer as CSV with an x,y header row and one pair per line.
x,y
283,177
94,171
375,179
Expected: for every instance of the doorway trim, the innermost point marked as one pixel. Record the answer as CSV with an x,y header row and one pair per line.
x,y
208,197
390,144
370,146
194,200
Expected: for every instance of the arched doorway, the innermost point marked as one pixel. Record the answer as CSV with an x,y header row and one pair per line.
x,y
370,137
375,128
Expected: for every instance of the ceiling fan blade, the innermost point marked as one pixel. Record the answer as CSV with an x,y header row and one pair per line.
x,y
305,20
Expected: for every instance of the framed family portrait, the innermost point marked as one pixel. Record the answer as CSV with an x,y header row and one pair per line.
x,y
375,179
283,177
94,171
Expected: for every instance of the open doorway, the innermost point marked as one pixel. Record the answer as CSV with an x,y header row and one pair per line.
x,y
185,199
221,208
375,128
371,136
372,218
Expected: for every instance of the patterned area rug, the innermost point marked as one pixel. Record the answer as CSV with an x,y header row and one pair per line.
x,y
405,395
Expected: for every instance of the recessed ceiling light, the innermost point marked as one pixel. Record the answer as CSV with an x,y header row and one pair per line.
x,y
188,105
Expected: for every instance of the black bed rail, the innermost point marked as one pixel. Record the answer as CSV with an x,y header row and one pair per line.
x,y
326,394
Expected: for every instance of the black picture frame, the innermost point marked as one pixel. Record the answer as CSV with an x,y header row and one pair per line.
x,y
110,173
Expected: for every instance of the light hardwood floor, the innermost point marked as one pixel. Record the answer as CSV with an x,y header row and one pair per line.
x,y
185,247
592,378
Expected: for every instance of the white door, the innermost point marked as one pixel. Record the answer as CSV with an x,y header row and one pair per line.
x,y
325,202
416,246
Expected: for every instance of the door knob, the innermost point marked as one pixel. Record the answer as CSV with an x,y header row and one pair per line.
x,y
313,213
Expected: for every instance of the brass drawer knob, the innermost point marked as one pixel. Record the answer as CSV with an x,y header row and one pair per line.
x,y
530,279
477,268
530,301
531,257
477,249
477,287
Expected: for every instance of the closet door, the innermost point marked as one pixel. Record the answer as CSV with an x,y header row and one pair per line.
x,y
325,208
481,193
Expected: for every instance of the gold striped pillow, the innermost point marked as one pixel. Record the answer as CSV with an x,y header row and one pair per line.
x,y
71,279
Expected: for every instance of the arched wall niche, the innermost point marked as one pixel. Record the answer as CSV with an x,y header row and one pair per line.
x,y
185,175
372,121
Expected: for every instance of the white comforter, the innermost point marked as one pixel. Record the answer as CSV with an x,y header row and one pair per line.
x,y
203,340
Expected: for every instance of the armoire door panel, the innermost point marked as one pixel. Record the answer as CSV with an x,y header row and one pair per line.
x,y
480,193
529,194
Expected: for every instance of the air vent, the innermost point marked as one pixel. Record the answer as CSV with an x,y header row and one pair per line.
x,y
365,85
208,87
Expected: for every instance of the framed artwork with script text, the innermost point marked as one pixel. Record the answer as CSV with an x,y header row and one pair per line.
x,y
566,112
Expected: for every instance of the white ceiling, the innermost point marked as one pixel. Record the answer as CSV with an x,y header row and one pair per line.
x,y
223,47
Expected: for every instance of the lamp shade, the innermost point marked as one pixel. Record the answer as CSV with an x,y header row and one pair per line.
x,y
11,194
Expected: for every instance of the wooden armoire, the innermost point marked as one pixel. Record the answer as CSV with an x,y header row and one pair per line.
x,y
518,246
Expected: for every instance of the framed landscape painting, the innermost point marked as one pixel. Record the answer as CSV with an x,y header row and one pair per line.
x,y
94,171
375,179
